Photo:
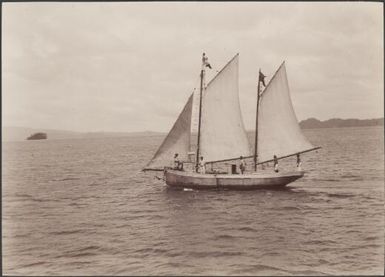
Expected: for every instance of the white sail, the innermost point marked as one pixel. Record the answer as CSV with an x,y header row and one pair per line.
x,y
278,130
177,141
223,134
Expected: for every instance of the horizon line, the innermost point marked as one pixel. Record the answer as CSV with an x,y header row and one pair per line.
x,y
151,131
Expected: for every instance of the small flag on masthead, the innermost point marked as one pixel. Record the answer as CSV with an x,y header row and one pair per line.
x,y
262,78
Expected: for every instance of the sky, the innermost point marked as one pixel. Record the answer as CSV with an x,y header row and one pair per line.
x,y
131,66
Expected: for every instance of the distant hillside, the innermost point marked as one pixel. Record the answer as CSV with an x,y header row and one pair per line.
x,y
21,133
312,123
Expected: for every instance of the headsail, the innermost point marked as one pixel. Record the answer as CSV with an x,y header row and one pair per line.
x,y
177,140
278,130
223,134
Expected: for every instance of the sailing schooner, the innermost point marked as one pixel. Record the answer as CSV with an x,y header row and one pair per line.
x,y
222,138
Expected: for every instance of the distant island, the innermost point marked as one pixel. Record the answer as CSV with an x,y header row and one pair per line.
x,y
37,136
313,123
21,133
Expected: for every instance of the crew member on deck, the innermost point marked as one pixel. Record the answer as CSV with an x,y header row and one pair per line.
x,y
299,163
176,162
202,166
242,164
275,163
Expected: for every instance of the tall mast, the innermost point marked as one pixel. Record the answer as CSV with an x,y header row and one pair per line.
x,y
200,115
256,123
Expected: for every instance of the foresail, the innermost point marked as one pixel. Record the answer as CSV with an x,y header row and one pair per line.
x,y
278,130
223,133
177,141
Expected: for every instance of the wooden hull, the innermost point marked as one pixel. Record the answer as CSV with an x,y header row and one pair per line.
x,y
192,180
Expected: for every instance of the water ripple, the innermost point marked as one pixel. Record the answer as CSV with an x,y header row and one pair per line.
x,y
83,208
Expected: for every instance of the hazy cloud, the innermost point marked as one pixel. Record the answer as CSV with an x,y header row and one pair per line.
x,y
131,66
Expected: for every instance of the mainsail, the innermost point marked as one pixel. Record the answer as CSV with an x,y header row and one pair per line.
x,y
278,130
223,134
177,140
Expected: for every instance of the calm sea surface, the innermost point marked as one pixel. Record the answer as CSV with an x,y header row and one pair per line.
x,y
82,207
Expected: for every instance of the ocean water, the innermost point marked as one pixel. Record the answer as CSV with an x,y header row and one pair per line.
x,y
82,207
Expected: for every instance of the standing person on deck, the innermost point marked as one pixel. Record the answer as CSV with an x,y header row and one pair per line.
x,y
275,163
299,163
202,166
242,164
176,161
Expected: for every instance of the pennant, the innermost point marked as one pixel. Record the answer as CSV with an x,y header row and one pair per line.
x,y
262,78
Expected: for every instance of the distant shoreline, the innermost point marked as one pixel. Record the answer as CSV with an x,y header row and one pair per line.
x,y
313,123
21,133
344,127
